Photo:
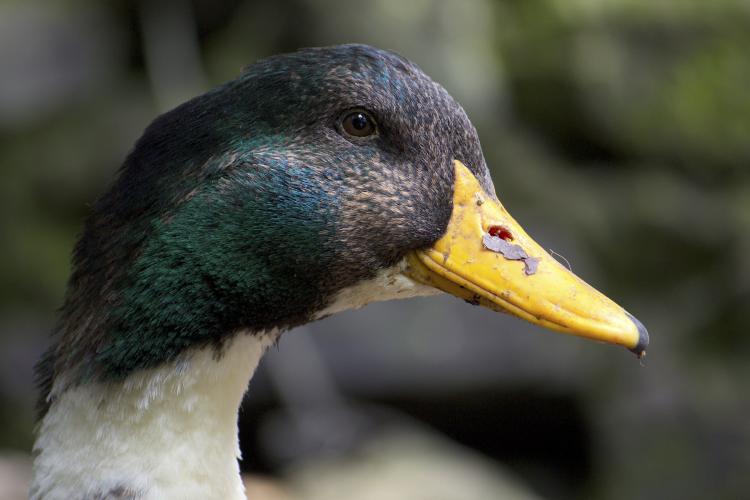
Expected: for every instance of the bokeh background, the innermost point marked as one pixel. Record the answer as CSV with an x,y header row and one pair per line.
x,y
618,133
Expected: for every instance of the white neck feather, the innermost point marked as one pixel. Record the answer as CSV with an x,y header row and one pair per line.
x,y
165,433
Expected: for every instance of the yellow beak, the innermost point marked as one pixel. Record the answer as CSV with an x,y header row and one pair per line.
x,y
486,258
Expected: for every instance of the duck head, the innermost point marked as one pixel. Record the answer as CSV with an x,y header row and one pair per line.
x,y
252,207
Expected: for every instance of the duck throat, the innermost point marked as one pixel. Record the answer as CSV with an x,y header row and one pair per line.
x,y
166,432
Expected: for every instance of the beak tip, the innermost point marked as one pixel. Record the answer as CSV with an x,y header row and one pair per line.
x,y
640,348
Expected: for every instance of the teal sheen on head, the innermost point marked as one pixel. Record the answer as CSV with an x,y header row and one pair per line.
x,y
201,272
248,208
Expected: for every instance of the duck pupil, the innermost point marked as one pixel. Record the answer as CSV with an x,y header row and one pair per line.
x,y
359,121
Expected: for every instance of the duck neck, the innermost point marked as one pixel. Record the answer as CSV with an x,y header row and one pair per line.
x,y
167,432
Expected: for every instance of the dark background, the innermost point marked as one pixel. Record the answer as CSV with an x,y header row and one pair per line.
x,y
617,133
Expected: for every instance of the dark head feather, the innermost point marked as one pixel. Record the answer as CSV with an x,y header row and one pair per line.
x,y
247,208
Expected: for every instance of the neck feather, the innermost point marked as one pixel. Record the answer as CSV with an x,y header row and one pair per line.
x,y
168,432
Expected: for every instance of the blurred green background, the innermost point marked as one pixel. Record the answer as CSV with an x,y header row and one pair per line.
x,y
618,133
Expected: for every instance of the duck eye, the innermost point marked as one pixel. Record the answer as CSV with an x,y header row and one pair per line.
x,y
358,124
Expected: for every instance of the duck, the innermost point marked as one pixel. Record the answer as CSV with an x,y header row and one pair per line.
x,y
315,182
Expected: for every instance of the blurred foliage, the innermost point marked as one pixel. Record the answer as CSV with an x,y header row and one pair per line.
x,y
646,81
618,131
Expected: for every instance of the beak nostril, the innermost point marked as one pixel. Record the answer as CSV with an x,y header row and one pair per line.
x,y
500,232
